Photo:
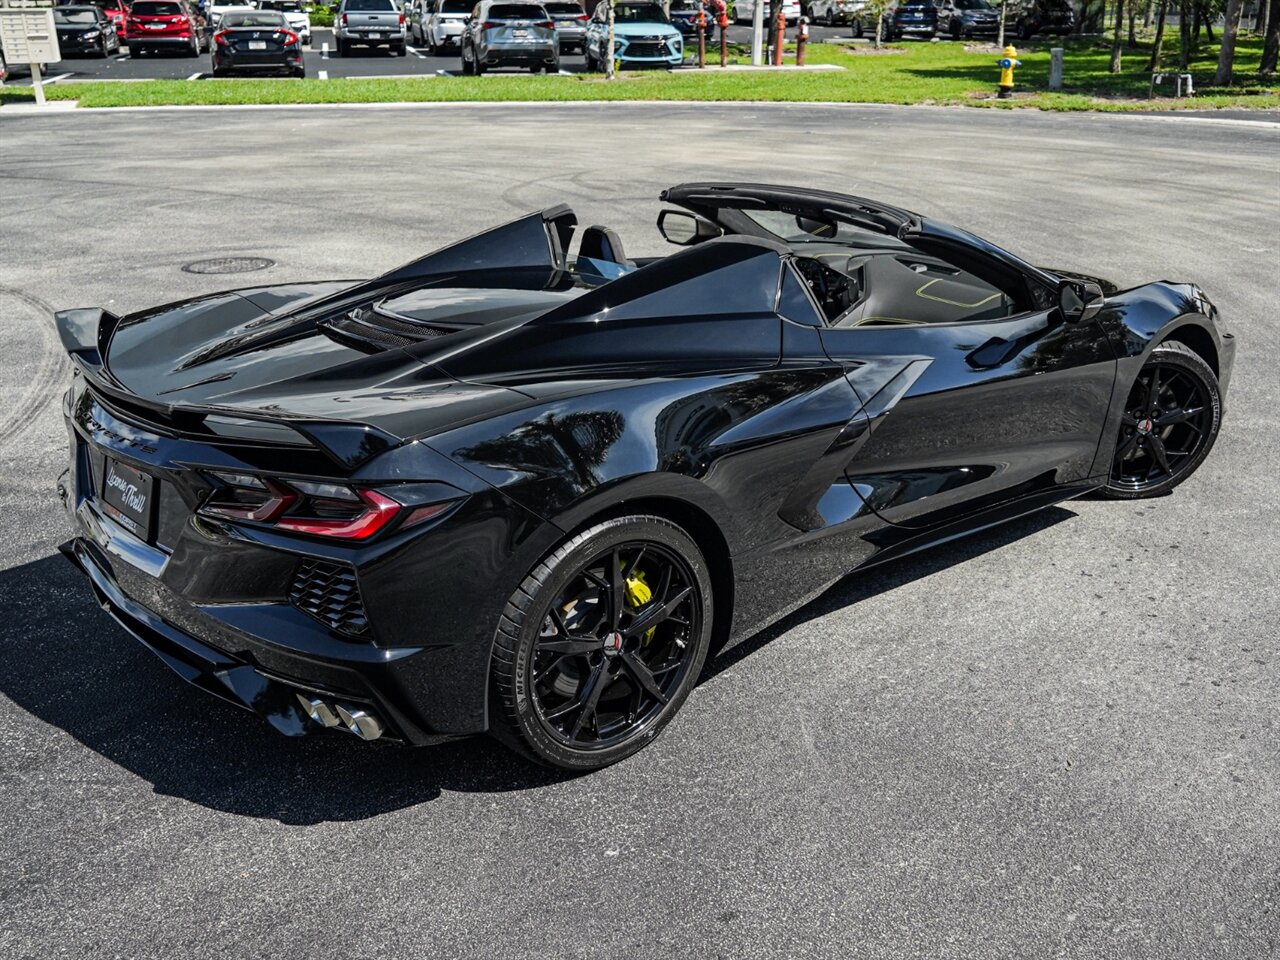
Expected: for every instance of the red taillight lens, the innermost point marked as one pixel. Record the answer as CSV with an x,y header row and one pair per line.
x,y
244,496
221,38
490,24
402,19
582,19
379,511
549,24
320,508
344,19
290,38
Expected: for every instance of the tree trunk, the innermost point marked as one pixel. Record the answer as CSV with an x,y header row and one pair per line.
x,y
1084,14
1149,14
1271,47
1184,35
1208,22
879,30
1115,40
1260,25
1195,26
1154,63
1227,55
1133,25
1004,5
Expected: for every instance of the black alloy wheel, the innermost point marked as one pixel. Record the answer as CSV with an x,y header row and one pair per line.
x,y
601,644
1170,422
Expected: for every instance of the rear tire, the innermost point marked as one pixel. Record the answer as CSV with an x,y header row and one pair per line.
x,y
1166,431
585,708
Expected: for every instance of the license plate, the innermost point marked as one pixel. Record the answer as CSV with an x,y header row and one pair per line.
x,y
519,34
155,26
257,44
373,34
128,497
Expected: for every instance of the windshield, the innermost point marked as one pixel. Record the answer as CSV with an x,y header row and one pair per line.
x,y
786,227
973,5
266,18
152,8
639,13
685,6
75,15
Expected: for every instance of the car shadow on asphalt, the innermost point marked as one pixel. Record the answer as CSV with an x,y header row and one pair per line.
x,y
66,664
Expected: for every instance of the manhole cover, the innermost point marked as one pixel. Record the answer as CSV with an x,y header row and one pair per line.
x,y
229,265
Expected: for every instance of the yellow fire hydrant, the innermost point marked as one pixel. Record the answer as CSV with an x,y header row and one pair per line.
x,y
1007,63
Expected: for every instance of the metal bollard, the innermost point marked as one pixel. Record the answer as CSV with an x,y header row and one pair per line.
x,y
802,40
702,38
1007,63
779,35
1055,68
723,22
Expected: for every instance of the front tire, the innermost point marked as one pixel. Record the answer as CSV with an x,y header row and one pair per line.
x,y
1170,422
601,644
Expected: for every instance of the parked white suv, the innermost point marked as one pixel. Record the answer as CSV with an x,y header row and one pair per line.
x,y
446,22
298,18
744,11
373,23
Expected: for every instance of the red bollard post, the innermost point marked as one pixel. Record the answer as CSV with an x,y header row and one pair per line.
x,y
779,35
702,39
802,39
722,21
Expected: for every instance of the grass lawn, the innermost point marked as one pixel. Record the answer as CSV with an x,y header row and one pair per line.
x,y
938,73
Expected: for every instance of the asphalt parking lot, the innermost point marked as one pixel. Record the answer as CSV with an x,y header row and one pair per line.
x,y
1056,739
322,60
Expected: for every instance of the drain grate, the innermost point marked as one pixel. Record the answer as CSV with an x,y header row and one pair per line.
x,y
229,265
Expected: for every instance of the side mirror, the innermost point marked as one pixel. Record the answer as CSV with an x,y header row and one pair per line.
x,y
1080,301
685,229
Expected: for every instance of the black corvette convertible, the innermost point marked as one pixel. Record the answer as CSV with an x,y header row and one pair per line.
x,y
527,485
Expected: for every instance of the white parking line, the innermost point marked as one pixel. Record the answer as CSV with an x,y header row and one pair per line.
x,y
324,51
195,76
123,56
323,74
55,79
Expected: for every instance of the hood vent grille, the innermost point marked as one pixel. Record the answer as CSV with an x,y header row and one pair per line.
x,y
367,329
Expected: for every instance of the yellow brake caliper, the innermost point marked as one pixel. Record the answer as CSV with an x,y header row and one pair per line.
x,y
638,594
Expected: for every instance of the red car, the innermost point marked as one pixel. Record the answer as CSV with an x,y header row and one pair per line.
x,y
115,10
157,24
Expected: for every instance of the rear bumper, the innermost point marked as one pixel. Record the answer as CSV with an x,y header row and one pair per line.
x,y
150,40
261,62
521,54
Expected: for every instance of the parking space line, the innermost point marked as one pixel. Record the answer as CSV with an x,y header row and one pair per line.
x,y
324,50
416,52
323,74
123,56
195,76
55,79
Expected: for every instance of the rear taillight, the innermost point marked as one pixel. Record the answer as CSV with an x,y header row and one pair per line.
x,y
402,19
549,24
490,24
344,19
221,38
317,508
290,38
582,19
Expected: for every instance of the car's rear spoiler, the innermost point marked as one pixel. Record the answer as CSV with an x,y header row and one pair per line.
x,y
85,334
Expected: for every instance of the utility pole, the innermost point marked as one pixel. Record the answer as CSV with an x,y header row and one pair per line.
x,y
757,34
608,67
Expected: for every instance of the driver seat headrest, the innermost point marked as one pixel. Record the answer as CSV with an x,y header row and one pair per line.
x,y
601,243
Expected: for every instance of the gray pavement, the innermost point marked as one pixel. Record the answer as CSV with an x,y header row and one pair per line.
x,y
1057,739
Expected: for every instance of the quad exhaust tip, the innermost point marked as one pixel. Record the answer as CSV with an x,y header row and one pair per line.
x,y
354,719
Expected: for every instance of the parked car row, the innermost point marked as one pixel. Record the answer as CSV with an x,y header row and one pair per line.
x,y
953,19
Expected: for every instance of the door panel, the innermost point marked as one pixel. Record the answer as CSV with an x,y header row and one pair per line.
x,y
988,412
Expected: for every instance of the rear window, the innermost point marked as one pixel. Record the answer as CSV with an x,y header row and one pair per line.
x,y
369,6
455,6
515,11
291,5
563,8
75,15
267,18
155,8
